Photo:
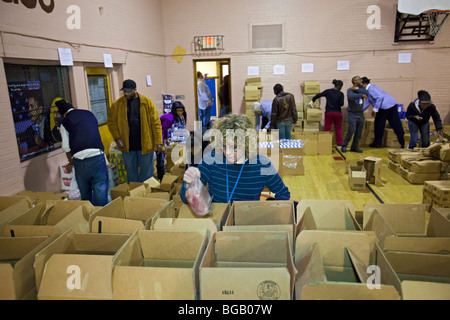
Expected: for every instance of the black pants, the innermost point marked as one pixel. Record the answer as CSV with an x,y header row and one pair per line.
x,y
393,117
264,122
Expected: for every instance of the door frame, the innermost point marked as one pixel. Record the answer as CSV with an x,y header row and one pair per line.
x,y
219,62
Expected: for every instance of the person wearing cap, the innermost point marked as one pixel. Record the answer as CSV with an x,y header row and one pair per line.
x,y
84,150
384,108
205,101
263,113
418,114
134,124
284,112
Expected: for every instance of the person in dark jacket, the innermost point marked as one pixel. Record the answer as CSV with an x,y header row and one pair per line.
x,y
356,96
224,97
333,113
284,112
418,114
84,150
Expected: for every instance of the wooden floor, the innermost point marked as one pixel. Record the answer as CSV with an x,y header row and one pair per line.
x,y
325,178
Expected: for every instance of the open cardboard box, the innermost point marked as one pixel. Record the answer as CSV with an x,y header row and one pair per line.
x,y
262,216
185,224
218,215
325,207
17,275
404,219
126,215
439,223
12,207
247,265
92,253
39,197
133,189
357,176
435,241
159,265
336,220
423,275
334,265
52,216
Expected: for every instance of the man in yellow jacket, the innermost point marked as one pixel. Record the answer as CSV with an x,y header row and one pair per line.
x,y
134,124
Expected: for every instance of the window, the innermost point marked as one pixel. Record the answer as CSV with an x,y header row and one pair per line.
x,y
99,96
32,90
265,37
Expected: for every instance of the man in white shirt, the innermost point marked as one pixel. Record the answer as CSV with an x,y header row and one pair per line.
x,y
205,100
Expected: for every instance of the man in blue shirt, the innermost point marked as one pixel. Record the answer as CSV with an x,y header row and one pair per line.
x,y
263,112
384,108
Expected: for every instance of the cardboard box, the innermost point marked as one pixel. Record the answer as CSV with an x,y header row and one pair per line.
x,y
133,189
219,215
421,290
307,99
313,115
168,181
310,144
159,265
357,176
252,93
92,253
422,165
291,165
12,207
404,219
17,275
373,167
311,87
334,265
49,218
247,265
41,197
127,215
439,223
325,207
324,143
254,81
336,220
300,107
396,155
394,166
418,178
311,126
262,216
422,267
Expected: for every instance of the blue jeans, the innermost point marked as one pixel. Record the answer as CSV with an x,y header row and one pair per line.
x,y
92,179
414,129
205,116
285,130
139,167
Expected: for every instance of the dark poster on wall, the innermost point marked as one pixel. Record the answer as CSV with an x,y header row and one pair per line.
x,y
31,118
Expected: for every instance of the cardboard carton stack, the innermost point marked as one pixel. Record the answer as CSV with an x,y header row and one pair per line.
x,y
312,116
436,194
285,155
395,157
300,115
252,94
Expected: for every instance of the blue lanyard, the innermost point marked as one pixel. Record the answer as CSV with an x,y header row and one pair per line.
x,y
240,173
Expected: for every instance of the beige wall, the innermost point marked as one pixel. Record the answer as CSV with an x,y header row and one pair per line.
x,y
320,32
133,34
141,35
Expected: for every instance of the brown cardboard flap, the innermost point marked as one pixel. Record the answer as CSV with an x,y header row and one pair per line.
x,y
142,208
420,264
439,223
324,206
380,226
418,245
418,290
347,291
95,275
116,225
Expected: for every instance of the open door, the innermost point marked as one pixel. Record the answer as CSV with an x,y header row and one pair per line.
x,y
214,72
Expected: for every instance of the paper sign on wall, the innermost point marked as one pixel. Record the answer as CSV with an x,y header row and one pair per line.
x,y
65,56
343,65
307,67
279,69
253,71
149,80
404,57
107,58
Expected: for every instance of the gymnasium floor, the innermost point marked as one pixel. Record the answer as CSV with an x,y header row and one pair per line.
x,y
325,178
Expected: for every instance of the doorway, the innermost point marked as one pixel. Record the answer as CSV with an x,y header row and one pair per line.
x,y
214,72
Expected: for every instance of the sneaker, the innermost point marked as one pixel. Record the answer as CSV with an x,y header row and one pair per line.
x,y
344,149
373,145
356,150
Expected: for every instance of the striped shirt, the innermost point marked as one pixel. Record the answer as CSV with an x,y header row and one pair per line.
x,y
255,176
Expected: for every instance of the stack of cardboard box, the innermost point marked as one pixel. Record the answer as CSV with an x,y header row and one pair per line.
x,y
315,143
312,116
436,194
252,94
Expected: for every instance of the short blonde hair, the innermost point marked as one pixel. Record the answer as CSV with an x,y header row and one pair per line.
x,y
238,122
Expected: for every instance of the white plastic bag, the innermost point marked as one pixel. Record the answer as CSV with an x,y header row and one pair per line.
x,y
198,198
